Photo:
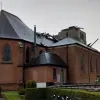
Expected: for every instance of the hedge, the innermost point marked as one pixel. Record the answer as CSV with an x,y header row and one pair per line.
x,y
21,92
45,93
36,94
31,84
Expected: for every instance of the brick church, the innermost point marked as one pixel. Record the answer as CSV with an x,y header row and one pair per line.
x,y
29,55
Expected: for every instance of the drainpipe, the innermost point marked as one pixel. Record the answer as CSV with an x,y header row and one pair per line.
x,y
34,41
67,69
23,73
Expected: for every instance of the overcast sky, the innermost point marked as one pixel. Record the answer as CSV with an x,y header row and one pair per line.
x,y
53,15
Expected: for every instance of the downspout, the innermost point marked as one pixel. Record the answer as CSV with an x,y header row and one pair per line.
x,y
67,68
23,74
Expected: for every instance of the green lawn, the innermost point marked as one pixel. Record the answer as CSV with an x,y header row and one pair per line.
x,y
12,95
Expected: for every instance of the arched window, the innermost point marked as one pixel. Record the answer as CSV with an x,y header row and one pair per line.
x,y
82,61
6,52
91,67
97,65
27,55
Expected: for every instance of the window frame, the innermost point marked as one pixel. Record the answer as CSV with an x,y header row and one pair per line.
x,y
6,53
96,65
82,62
82,36
54,73
27,55
91,66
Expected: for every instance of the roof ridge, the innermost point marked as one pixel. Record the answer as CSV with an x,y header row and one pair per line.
x,y
22,31
10,22
10,14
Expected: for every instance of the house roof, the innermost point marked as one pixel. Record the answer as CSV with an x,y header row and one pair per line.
x,y
12,27
48,58
65,41
70,41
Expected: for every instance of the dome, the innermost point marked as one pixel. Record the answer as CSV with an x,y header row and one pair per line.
x,y
48,58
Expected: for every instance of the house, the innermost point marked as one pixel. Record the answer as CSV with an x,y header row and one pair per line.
x,y
29,55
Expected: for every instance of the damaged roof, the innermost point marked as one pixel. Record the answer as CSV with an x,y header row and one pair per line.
x,y
12,27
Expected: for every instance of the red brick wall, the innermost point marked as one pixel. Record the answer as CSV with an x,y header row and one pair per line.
x,y
42,73
6,87
12,72
31,48
68,56
86,76
72,65
61,51
75,74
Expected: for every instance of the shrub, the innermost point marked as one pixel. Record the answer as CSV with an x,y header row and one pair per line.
x,y
36,94
21,92
97,81
0,92
31,84
45,93
22,97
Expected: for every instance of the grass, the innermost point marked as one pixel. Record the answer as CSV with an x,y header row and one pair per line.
x,y
11,95
84,91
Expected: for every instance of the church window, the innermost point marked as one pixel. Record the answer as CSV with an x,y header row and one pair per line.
x,y
91,66
6,52
27,55
82,61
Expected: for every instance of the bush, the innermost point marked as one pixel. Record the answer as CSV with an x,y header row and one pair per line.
x,y
97,81
45,93
0,91
36,94
21,92
22,97
31,84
